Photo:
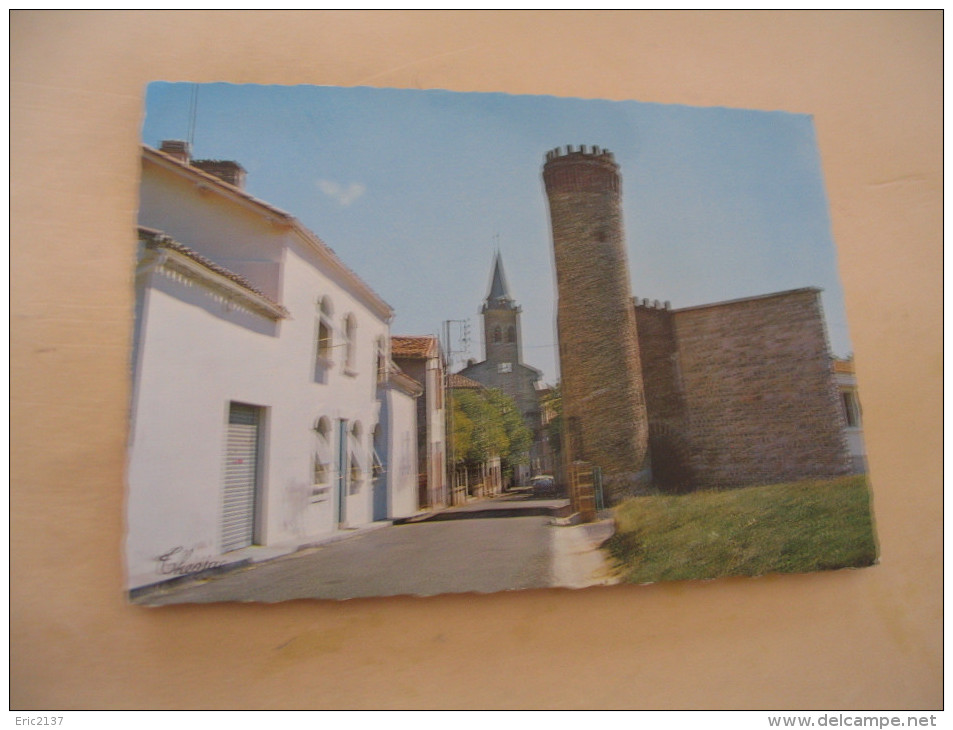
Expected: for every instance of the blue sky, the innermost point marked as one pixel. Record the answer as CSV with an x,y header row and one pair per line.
x,y
415,189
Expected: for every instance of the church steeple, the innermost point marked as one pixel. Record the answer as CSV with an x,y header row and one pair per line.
x,y
499,295
501,321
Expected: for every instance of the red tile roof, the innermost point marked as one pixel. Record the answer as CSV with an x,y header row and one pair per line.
x,y
418,347
456,380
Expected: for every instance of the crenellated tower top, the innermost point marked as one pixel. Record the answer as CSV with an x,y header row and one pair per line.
x,y
581,170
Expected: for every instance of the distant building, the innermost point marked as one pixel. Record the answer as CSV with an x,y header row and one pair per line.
x,y
456,381
503,366
395,443
421,359
853,419
260,378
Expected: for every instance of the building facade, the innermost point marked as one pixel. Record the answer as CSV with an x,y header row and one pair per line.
x,y
257,369
853,417
503,367
420,358
395,444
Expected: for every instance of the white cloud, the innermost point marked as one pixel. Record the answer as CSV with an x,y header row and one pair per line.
x,y
343,195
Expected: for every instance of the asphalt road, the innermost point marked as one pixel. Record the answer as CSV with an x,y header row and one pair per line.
x,y
475,554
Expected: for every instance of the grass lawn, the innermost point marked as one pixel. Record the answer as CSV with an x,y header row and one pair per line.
x,y
778,528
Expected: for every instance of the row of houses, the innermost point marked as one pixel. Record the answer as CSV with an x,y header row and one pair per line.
x,y
272,407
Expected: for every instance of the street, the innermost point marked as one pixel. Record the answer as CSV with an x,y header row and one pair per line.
x,y
467,549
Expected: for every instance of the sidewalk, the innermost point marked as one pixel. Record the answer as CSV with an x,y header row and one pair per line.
x,y
251,555
578,561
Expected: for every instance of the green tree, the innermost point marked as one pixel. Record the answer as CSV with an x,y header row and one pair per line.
x,y
519,437
487,423
477,430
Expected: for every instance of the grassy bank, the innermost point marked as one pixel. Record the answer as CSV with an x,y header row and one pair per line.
x,y
788,528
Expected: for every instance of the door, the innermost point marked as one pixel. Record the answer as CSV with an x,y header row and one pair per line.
x,y
379,476
241,477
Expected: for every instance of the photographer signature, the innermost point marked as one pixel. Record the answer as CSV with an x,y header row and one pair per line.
x,y
176,562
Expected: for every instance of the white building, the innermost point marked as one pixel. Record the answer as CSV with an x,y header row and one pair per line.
x,y
420,357
260,364
850,402
395,444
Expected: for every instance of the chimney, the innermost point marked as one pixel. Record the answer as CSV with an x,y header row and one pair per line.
x,y
177,148
227,170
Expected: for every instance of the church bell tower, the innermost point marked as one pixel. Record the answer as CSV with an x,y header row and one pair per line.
x,y
501,323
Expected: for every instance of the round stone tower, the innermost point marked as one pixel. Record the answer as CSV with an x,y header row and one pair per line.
x,y
605,421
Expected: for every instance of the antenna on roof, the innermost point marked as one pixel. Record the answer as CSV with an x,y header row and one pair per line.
x,y
193,107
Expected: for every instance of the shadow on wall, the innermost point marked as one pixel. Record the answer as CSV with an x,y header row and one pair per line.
x,y
669,452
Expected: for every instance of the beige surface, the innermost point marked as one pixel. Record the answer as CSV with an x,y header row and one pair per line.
x,y
864,639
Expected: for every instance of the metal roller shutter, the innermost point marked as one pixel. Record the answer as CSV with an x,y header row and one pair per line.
x,y
241,477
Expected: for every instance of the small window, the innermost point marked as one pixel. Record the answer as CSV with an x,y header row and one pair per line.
x,y
350,344
511,334
357,475
497,335
381,360
377,464
321,459
324,339
851,408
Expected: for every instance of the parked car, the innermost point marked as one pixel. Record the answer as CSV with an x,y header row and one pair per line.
x,y
544,486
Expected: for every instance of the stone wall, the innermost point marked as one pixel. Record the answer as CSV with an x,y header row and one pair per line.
x,y
743,392
669,449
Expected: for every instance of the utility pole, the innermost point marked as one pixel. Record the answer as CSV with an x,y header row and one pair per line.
x,y
449,351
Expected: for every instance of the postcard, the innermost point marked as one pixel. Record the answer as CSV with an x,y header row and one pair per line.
x,y
408,342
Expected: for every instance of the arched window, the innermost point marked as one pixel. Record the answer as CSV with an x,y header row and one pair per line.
x,y
356,451
497,335
357,474
511,334
321,459
324,336
350,344
381,359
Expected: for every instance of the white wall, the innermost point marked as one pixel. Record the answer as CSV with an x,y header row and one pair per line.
x,y
195,357
436,432
401,454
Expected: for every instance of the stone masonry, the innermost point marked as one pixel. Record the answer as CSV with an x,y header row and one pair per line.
x,y
741,392
603,399
726,394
